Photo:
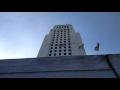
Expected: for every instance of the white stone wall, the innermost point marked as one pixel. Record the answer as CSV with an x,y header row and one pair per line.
x,y
61,33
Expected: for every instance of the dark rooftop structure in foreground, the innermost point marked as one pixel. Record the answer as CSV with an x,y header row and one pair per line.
x,y
88,66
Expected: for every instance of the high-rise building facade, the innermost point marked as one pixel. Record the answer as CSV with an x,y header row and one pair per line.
x,y
62,40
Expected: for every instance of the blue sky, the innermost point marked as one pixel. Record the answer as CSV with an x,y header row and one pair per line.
x,y
22,33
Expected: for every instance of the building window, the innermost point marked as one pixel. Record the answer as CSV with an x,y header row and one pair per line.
x,y
64,50
59,50
64,53
51,47
61,33
64,41
52,42
69,50
69,53
60,39
68,41
55,47
59,47
50,50
56,42
57,27
60,44
55,54
69,44
67,26
69,47
55,50
49,54
62,26
64,44
64,47
59,53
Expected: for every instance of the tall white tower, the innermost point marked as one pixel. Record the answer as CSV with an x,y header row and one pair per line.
x,y
62,40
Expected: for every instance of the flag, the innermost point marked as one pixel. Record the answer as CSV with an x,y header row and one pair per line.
x,y
97,47
81,47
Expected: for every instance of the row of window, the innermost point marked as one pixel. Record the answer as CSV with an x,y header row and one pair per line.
x,y
60,41
61,33
61,30
60,44
63,27
60,50
59,54
61,36
61,47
